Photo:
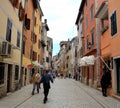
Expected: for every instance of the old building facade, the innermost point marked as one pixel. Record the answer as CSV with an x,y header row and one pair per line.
x,y
21,46
29,39
44,56
10,44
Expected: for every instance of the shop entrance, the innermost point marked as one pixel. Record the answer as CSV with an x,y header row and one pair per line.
x,y
118,74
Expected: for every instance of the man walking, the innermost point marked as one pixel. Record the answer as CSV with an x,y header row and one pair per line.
x,y
46,78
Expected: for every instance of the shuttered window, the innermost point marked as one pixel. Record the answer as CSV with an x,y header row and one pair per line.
x,y
9,30
113,19
16,72
18,39
92,36
27,22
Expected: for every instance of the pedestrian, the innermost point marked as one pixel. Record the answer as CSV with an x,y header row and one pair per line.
x,y
105,81
35,79
46,78
50,73
69,74
53,76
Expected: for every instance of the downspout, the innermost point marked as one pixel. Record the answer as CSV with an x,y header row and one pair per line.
x,y
21,71
98,46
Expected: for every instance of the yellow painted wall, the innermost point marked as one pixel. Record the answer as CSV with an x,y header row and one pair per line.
x,y
7,11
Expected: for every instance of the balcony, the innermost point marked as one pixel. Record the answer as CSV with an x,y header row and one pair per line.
x,y
102,12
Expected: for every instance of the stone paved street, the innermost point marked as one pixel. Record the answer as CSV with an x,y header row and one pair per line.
x,y
64,93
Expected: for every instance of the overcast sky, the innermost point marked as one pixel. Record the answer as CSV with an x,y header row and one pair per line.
x,y
61,16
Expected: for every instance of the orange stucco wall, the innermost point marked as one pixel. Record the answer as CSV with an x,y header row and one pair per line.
x,y
88,71
114,5
105,44
27,33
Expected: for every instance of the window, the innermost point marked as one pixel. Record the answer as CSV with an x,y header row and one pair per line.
x,y
47,47
34,56
92,12
9,30
2,68
66,65
18,39
16,72
23,49
87,42
31,52
27,22
47,59
86,21
92,36
113,24
34,38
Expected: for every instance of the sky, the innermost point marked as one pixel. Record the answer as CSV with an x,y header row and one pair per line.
x,y
61,16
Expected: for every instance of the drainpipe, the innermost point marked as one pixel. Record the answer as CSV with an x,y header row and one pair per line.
x,y
21,71
98,47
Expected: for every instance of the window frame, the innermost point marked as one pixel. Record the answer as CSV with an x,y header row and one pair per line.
x,y
113,20
9,30
16,72
18,39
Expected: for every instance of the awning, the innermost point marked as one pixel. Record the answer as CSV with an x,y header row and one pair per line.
x,y
87,60
37,64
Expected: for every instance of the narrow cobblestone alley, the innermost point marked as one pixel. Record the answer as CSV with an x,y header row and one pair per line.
x,y
64,93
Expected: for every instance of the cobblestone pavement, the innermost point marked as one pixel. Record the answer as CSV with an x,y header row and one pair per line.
x,y
64,93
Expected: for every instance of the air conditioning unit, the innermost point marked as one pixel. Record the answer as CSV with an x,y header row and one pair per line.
x,y
5,49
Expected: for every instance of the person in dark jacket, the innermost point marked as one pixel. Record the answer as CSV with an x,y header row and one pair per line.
x,y
105,81
46,78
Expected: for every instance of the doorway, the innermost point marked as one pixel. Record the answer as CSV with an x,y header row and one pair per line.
x,y
87,75
93,74
9,78
118,74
